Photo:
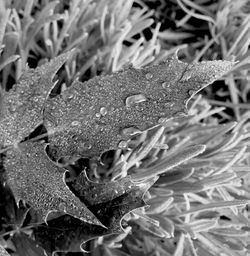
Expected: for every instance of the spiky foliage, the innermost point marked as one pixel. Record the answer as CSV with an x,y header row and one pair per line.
x,y
198,205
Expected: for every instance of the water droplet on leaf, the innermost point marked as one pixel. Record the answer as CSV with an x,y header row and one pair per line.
x,y
130,131
123,144
191,92
149,76
103,111
75,123
85,146
70,96
98,115
62,207
135,99
165,85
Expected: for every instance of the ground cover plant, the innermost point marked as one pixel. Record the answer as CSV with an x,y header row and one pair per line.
x,y
106,147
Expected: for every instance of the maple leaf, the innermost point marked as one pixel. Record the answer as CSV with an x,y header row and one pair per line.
x,y
22,106
84,121
3,252
35,179
109,201
104,112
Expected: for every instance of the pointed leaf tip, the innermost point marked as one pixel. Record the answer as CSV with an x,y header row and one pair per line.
x,y
109,201
203,73
50,68
35,179
3,252
22,107
104,112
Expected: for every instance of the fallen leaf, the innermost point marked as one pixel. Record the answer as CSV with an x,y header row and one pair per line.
x,y
84,121
104,112
120,197
34,178
22,106
37,180
92,193
3,252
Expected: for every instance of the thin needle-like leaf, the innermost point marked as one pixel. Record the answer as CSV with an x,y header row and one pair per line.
x,y
169,162
215,206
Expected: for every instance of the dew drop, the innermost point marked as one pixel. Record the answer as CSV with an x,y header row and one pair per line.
x,y
165,85
130,131
149,76
62,207
134,99
70,96
123,144
85,146
98,115
191,92
75,123
103,111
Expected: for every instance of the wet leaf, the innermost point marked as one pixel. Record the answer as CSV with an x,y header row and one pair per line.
x,y
35,179
22,106
84,121
104,112
92,193
3,252
67,233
